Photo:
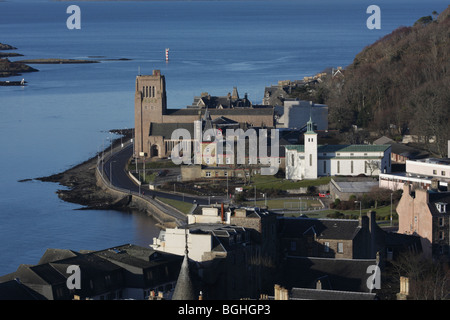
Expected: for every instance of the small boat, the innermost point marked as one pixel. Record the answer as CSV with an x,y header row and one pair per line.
x,y
13,83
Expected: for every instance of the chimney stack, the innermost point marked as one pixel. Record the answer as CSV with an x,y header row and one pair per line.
x,y
318,285
435,184
404,289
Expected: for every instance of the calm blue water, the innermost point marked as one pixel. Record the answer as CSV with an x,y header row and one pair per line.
x,y
62,117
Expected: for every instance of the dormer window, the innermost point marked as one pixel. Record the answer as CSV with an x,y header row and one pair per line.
x,y
441,207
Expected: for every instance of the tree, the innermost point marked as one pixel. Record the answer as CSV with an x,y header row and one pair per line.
x,y
428,279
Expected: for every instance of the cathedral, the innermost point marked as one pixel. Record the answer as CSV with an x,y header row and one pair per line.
x,y
154,122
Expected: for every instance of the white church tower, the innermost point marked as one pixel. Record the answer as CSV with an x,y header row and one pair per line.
x,y
310,152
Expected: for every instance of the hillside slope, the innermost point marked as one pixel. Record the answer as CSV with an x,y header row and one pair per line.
x,y
398,85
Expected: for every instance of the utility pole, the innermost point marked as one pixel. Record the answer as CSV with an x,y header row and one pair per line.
x,y
359,208
391,209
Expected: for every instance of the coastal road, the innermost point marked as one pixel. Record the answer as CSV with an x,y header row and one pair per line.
x,y
114,169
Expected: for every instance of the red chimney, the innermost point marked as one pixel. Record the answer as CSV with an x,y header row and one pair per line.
x,y
221,211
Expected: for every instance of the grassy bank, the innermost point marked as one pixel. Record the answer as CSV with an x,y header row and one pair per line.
x,y
184,207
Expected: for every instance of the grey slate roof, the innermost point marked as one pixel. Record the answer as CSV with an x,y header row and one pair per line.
x,y
14,290
334,274
222,112
323,228
184,289
166,129
342,148
436,197
314,294
51,255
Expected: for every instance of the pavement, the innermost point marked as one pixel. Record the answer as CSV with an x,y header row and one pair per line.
x,y
114,169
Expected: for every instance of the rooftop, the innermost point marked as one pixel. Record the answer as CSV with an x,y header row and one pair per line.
x,y
342,148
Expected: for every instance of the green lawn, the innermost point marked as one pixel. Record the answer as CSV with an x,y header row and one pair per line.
x,y
286,203
271,182
184,207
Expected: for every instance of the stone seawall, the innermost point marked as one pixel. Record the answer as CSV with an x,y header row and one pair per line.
x,y
151,207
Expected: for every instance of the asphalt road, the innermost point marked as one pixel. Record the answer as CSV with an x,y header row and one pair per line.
x,y
115,167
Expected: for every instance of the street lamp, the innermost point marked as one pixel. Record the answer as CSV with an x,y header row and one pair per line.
x,y
110,173
359,208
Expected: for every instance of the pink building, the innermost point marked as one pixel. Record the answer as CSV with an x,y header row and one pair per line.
x,y
425,213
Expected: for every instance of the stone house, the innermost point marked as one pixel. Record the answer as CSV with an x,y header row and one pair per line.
x,y
426,213
122,272
331,238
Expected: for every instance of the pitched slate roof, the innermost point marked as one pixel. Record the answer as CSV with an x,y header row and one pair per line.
x,y
263,110
334,274
339,229
438,197
166,129
51,255
342,148
314,294
15,290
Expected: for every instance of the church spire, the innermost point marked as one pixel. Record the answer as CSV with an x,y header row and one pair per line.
x,y
310,126
184,289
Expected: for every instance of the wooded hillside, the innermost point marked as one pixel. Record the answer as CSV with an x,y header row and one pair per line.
x,y
398,85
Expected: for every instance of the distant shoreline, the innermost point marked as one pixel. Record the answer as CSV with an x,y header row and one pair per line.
x,y
56,61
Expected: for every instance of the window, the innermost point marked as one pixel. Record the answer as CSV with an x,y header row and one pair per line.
x,y
441,235
338,167
340,247
442,173
208,173
292,159
441,222
326,247
351,166
324,167
434,171
441,207
310,160
293,245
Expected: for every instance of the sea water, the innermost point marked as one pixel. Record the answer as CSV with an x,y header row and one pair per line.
x,y
62,117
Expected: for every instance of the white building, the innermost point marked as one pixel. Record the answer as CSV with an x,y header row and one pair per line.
x,y
419,173
311,160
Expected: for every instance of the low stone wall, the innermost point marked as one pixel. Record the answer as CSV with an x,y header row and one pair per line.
x,y
304,190
139,203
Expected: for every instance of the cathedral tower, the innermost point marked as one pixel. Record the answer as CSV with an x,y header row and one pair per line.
x,y
150,104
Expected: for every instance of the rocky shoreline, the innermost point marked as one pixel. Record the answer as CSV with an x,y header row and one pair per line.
x,y
17,68
82,186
